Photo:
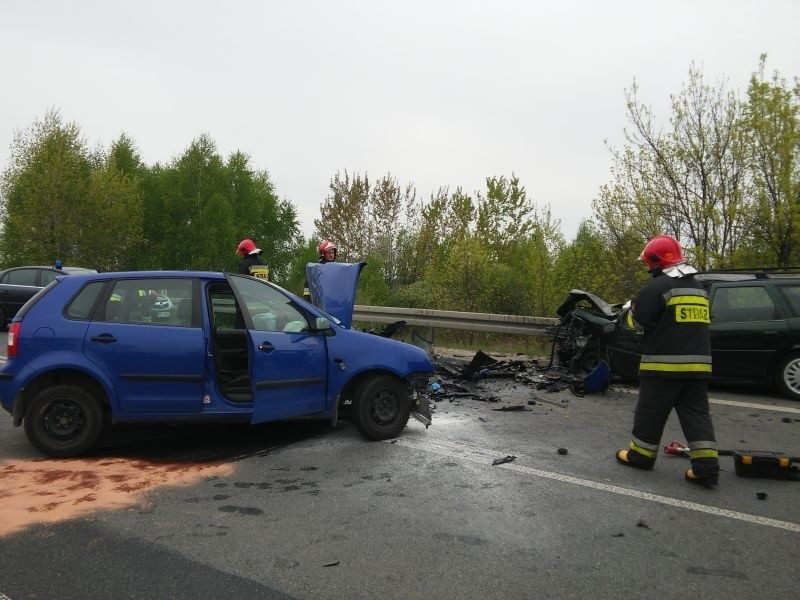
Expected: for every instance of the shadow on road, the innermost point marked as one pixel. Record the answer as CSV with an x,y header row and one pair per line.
x,y
199,443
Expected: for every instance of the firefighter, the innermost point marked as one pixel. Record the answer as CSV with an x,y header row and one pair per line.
x,y
673,311
327,253
251,264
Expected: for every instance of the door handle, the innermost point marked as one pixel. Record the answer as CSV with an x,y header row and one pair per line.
x,y
104,338
266,347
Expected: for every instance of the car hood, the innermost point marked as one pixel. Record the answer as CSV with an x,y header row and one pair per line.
x,y
575,296
333,288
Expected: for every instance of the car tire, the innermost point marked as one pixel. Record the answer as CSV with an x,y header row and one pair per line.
x,y
787,376
382,407
63,420
3,323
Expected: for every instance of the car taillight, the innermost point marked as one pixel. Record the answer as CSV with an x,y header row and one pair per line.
x,y
13,339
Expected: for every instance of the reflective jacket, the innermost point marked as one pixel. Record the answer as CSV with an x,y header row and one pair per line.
x,y
674,313
253,265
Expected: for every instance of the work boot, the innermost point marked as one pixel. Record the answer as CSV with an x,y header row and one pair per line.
x,y
708,481
634,459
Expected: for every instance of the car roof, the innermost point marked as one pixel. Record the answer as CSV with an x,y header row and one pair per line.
x,y
747,275
69,270
151,274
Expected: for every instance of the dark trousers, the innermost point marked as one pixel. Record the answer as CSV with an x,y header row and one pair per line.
x,y
689,397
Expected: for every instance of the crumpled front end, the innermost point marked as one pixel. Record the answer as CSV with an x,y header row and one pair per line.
x,y
420,404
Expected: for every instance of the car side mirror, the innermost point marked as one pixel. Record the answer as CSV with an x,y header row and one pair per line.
x,y
321,324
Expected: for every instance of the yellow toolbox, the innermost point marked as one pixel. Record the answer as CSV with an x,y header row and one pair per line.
x,y
765,464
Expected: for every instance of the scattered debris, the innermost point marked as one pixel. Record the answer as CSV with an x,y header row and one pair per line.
x,y
786,420
620,534
505,459
641,523
331,564
761,495
562,451
512,408
485,378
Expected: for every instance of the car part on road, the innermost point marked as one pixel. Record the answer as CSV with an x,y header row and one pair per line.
x,y
506,459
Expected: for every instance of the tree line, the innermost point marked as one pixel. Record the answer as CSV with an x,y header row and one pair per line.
x,y
723,176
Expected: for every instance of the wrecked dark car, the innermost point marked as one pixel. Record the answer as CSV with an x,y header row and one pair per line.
x,y
755,332
591,337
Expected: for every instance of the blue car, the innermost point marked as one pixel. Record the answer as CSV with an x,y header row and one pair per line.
x,y
167,346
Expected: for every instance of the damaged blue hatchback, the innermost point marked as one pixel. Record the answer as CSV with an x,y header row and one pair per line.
x,y
167,346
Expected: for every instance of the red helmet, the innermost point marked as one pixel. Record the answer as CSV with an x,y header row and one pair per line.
x,y
661,252
246,246
325,245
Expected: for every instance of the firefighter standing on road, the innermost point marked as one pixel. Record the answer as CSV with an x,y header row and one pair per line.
x,y
252,264
327,253
673,311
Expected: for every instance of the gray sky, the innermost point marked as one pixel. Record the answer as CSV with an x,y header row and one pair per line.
x,y
439,93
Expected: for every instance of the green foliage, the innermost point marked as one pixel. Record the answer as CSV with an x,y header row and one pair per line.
x,y
59,202
372,287
771,125
110,211
723,176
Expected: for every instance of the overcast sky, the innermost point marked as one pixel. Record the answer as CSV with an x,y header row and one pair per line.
x,y
439,93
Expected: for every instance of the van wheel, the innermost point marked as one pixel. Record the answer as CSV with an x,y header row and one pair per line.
x,y
63,420
382,407
787,376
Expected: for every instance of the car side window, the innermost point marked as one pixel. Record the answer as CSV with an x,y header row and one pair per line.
x,y
82,304
268,308
742,304
21,277
792,295
151,302
48,277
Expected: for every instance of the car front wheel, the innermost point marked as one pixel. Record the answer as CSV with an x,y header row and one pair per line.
x,y
382,407
63,420
787,376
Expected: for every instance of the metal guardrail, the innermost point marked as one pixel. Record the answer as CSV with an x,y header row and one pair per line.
x,y
448,319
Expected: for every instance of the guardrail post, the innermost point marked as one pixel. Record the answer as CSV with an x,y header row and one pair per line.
x,y
424,341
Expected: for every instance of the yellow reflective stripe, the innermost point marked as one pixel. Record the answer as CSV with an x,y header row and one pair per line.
x,y
259,271
643,451
703,453
677,368
688,300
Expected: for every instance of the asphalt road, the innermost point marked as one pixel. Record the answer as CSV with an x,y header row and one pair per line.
x,y
301,510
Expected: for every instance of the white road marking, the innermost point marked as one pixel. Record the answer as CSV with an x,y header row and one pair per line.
x,y
485,456
754,405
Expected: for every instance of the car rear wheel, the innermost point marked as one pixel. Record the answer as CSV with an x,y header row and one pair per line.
x,y
382,407
787,376
63,420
